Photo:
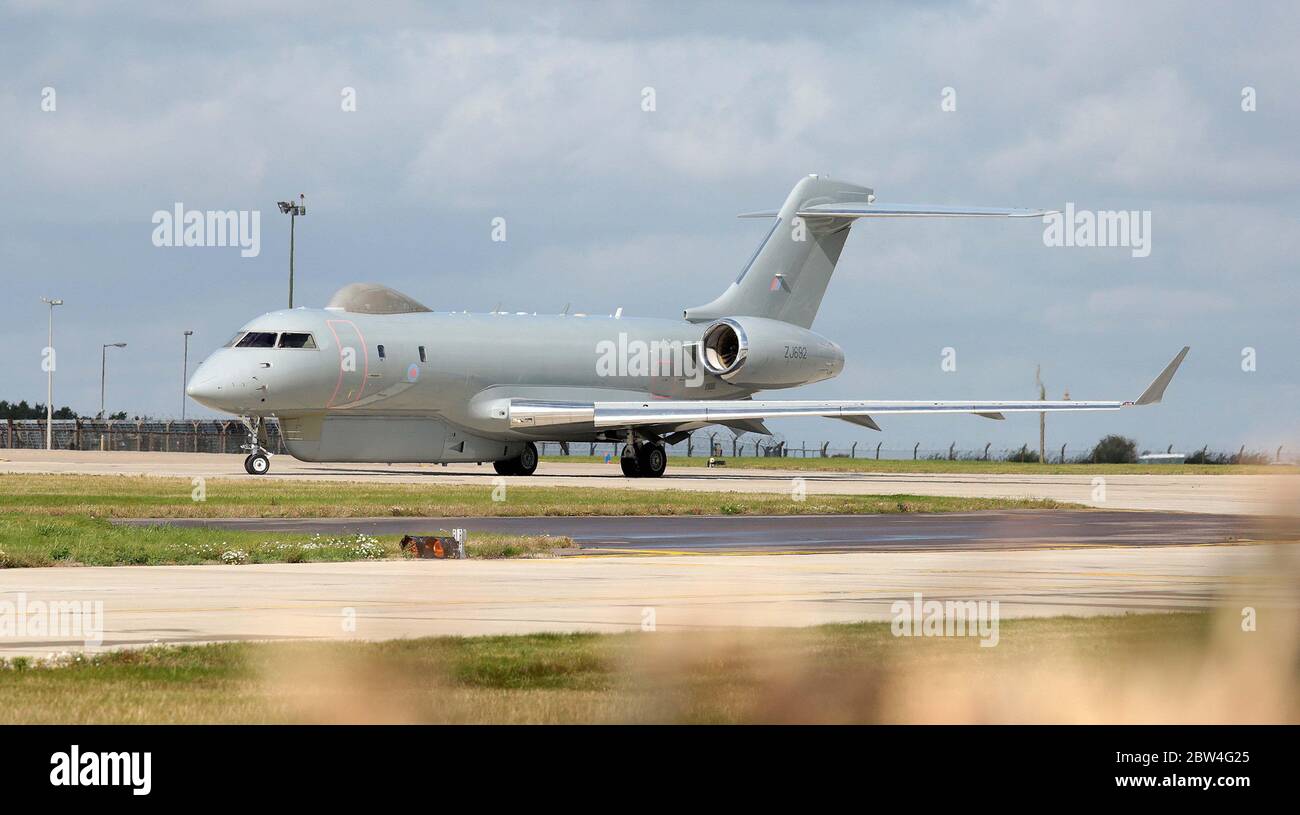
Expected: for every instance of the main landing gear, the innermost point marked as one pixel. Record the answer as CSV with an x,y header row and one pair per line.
x,y
644,460
258,460
523,464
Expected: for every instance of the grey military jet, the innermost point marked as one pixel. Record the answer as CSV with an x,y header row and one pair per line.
x,y
375,376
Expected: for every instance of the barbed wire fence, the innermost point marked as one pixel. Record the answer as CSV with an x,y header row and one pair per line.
x,y
226,436
724,445
146,436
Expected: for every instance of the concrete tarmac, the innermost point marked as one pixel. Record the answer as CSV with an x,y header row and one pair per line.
x,y
377,600
1218,494
1023,529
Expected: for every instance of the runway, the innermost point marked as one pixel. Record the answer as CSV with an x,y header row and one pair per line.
x,y
1026,529
1217,494
377,600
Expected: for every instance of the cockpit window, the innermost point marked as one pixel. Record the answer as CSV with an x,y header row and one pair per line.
x,y
292,340
257,339
234,339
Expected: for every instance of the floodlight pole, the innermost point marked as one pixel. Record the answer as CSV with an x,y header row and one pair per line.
x,y
103,359
49,375
293,211
293,220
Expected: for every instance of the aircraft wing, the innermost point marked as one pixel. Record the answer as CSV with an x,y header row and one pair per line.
x,y
526,413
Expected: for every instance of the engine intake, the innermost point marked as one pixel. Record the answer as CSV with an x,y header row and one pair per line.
x,y
725,347
756,352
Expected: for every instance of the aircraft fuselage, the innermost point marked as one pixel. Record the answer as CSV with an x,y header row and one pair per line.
x,y
429,386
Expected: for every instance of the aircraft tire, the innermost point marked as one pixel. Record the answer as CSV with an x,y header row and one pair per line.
x,y
257,464
652,460
523,464
526,464
631,467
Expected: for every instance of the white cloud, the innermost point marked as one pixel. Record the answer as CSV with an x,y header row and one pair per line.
x,y
1138,308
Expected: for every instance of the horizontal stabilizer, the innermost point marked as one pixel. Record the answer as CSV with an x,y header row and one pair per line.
x,y
879,210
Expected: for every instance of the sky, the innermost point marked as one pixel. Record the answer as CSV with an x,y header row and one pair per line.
x,y
537,114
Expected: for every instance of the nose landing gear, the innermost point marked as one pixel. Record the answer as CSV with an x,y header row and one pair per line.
x,y
258,461
257,464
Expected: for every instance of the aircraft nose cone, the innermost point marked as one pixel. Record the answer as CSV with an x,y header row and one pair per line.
x,y
203,388
208,386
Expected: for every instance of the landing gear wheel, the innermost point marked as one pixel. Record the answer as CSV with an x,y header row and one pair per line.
x,y
652,460
258,461
526,464
628,461
257,464
523,464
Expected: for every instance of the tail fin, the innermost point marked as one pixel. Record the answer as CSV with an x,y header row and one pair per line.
x,y
787,277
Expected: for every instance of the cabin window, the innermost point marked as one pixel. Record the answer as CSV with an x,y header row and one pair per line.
x,y
291,339
381,351
422,359
257,339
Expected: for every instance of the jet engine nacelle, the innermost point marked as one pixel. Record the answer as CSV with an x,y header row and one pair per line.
x,y
761,353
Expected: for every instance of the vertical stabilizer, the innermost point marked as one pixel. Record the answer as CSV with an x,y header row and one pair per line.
x,y
787,277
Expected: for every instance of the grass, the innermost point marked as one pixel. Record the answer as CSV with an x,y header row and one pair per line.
x,y
28,540
1055,669
122,496
871,465
49,520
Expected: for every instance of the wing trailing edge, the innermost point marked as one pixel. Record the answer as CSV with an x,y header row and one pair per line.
x,y
531,413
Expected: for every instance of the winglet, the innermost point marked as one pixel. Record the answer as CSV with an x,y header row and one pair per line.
x,y
1156,390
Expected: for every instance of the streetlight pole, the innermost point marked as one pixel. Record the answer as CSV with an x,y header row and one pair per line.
x,y
186,374
103,358
50,363
293,211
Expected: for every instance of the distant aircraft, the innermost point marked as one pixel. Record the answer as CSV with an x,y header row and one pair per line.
x,y
375,376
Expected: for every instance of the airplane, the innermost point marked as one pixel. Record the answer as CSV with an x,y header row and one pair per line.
x,y
375,376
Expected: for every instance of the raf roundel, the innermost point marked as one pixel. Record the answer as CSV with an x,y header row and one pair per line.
x,y
413,372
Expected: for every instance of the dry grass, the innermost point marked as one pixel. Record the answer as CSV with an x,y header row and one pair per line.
x,y
1138,668
28,540
123,496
